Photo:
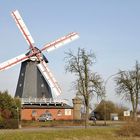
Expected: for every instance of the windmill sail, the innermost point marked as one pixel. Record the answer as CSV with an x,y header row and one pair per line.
x,y
12,62
49,77
22,27
60,42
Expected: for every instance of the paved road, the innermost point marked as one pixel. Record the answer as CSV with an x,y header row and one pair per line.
x,y
99,125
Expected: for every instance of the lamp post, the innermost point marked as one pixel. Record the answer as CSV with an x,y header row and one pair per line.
x,y
105,93
17,116
18,119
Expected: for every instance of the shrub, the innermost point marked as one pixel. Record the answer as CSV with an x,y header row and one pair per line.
x,y
9,111
1,122
8,124
130,129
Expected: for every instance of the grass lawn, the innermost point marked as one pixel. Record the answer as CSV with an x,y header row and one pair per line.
x,y
100,133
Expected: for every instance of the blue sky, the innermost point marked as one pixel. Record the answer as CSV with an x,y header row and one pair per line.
x,y
111,28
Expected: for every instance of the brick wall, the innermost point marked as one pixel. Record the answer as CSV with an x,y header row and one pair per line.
x,y
57,114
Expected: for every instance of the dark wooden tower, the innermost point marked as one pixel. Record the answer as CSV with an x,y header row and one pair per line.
x,y
31,83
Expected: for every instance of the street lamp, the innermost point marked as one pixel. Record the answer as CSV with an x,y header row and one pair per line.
x,y
18,119
17,116
105,92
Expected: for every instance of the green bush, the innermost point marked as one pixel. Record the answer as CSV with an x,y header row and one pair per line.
x,y
9,111
8,124
130,129
1,122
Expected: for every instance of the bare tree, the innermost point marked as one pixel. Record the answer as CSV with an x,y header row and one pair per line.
x,y
87,83
128,86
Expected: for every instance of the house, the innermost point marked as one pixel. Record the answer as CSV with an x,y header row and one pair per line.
x,y
32,109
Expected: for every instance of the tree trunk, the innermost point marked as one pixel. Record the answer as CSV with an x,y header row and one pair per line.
x,y
134,108
87,117
135,114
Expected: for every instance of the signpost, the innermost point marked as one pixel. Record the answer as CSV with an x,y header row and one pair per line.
x,y
126,113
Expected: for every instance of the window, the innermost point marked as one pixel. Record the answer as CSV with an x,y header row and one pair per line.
x,y
59,113
47,112
34,113
67,112
42,85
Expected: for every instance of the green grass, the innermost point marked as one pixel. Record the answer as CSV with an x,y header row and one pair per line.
x,y
102,133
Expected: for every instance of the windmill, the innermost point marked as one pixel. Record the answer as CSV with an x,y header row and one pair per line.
x,y
35,78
